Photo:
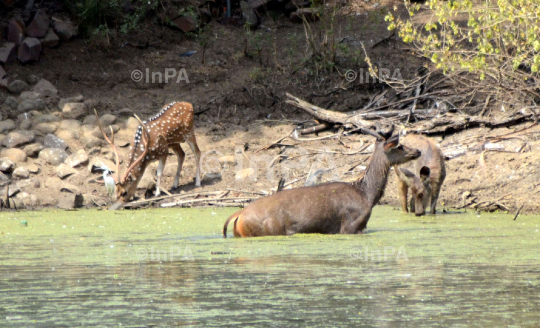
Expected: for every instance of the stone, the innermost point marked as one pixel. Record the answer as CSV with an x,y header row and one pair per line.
x,y
70,201
29,105
310,14
67,187
7,165
18,138
209,178
4,179
53,184
29,95
45,88
52,141
46,118
17,86
74,110
107,119
53,156
7,126
8,52
147,181
68,135
77,159
89,141
27,200
63,171
73,125
74,99
244,174
11,103
32,79
13,190
39,25
65,30
125,112
15,154
21,173
227,160
29,50
185,23
46,128
15,31
26,124
132,124
96,132
2,73
50,40
32,150
252,19
34,169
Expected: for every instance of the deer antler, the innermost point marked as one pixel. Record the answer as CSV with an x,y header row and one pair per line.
x,y
146,140
111,142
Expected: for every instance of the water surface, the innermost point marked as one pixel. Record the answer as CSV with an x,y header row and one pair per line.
x,y
171,267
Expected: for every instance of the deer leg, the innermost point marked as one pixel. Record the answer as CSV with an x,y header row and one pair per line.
x,y
162,161
180,156
434,197
402,191
192,142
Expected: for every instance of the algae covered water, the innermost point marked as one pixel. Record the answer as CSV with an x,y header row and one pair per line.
x,y
172,267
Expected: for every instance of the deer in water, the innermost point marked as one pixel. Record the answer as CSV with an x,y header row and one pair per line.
x,y
153,138
424,176
329,208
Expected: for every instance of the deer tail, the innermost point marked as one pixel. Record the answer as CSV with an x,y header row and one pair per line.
x,y
234,216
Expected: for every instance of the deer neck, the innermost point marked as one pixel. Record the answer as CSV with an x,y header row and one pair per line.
x,y
373,183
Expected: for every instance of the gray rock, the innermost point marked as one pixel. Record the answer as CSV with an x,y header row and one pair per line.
x,y
65,30
4,179
8,53
54,184
33,150
185,23
90,120
6,126
34,169
107,119
50,40
15,154
7,165
45,128
28,105
2,73
89,141
252,19
11,103
211,177
39,25
29,95
53,156
29,50
74,110
147,181
70,201
46,118
27,200
21,173
67,187
12,191
45,88
77,159
73,125
15,31
74,99
52,141
68,135
63,171
32,79
17,86
18,138
26,124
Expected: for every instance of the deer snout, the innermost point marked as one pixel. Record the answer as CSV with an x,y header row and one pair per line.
x,y
416,154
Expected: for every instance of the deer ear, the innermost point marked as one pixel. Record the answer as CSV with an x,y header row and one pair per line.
x,y
391,143
405,175
424,173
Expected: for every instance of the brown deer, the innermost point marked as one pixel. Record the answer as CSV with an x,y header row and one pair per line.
x,y
170,127
423,176
329,208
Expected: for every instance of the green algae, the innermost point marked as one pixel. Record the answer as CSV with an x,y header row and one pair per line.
x,y
170,267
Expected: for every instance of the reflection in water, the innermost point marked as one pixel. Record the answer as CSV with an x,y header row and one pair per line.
x,y
308,281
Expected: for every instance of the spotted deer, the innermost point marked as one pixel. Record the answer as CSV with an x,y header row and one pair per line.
x,y
153,138
424,176
330,208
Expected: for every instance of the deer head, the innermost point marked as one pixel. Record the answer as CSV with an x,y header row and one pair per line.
x,y
126,184
420,188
